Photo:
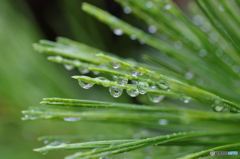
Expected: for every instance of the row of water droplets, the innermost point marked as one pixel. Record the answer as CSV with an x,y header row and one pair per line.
x,y
116,91
220,106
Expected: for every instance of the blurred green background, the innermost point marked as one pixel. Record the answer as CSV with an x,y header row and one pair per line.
x,y
27,77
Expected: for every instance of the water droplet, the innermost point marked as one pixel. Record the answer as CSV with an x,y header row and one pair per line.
x,y
213,37
83,70
217,108
152,29
189,75
45,141
115,91
132,92
122,80
155,98
178,45
205,27
202,53
163,84
219,53
197,20
114,77
127,10
163,122
149,4
71,118
141,42
69,67
142,87
168,6
118,32
221,8
236,68
115,64
85,85
185,98
95,72
133,37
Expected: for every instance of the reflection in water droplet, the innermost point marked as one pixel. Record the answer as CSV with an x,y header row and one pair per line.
x,y
115,91
152,29
118,32
127,10
85,85
115,64
163,122
132,92
71,118
122,81
142,87
155,98
69,67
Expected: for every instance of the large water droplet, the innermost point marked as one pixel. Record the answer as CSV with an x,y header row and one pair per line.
x,y
83,70
132,92
85,85
115,64
142,87
71,118
118,32
155,98
122,81
115,91
127,10
69,67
